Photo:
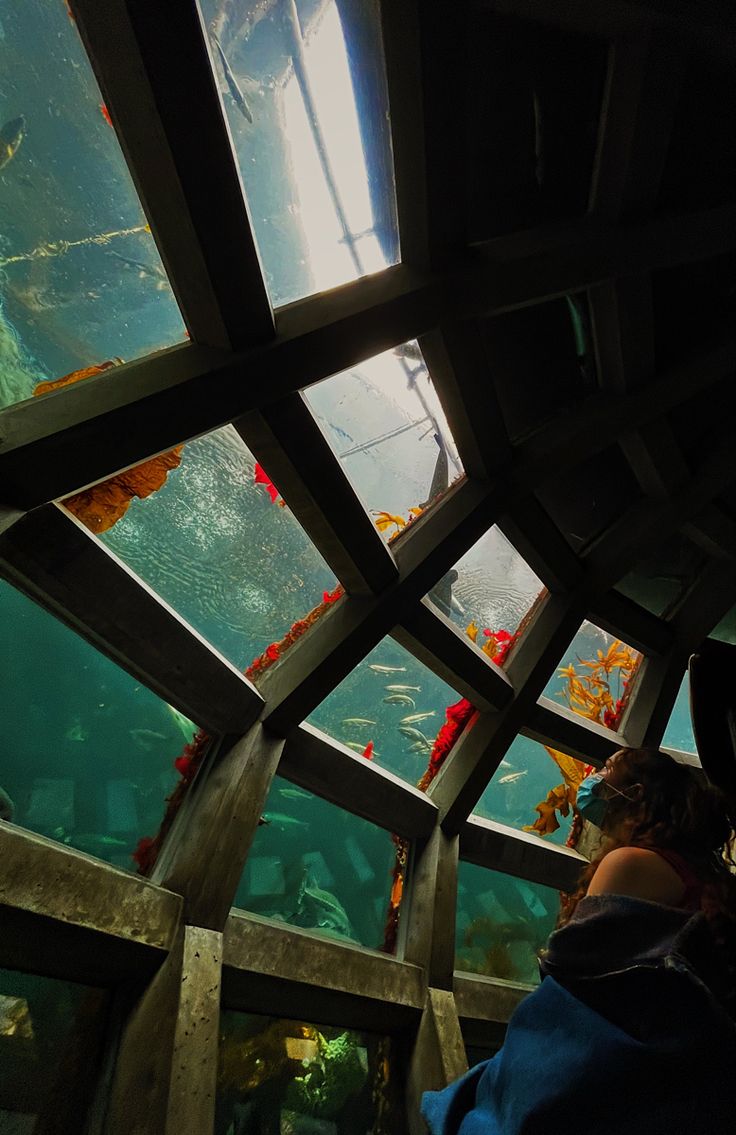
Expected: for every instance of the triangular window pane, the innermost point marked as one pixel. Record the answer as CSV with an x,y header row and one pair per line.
x,y
679,732
384,421
392,701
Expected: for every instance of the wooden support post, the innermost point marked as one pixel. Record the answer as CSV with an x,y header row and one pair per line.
x,y
205,852
438,1056
429,914
166,1070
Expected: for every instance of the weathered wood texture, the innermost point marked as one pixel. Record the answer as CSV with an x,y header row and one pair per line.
x,y
53,558
522,854
429,909
285,971
438,1056
314,761
205,851
168,1087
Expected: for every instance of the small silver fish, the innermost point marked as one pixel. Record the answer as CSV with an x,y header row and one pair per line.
x,y
413,734
421,747
281,820
400,699
386,669
146,738
403,689
295,794
413,717
357,721
512,777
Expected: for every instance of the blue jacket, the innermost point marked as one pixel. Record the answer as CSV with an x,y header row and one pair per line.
x,y
625,1035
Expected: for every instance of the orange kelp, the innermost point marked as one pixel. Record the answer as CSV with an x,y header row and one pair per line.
x,y
275,650
102,505
590,696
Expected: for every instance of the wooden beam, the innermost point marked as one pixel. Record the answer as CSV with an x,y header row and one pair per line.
x,y
523,269
302,679
287,441
468,769
169,1086
68,915
204,854
285,971
539,541
200,223
429,908
596,18
438,643
713,531
522,854
462,376
438,1054
402,52
50,446
481,999
627,61
55,560
557,726
315,762
623,618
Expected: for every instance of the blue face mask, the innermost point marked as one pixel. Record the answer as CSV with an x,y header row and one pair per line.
x,y
591,805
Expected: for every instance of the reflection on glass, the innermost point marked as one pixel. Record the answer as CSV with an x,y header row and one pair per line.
x,y
81,281
316,866
491,586
88,752
502,924
384,421
679,732
51,1038
392,701
523,779
658,581
303,88
294,1077
215,546
595,676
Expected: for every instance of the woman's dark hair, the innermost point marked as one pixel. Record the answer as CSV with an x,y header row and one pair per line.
x,y
676,810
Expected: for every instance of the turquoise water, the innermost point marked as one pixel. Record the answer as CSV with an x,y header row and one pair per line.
x,y
88,752
502,923
317,866
523,779
68,182
679,731
51,1036
301,1078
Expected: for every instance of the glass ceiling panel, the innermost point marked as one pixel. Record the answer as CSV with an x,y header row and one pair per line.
x,y
75,246
318,867
214,546
523,780
392,700
384,421
304,91
95,768
594,675
679,732
502,924
491,586
298,1078
659,581
584,503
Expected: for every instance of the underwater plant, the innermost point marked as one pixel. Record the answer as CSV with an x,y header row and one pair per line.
x,y
337,1073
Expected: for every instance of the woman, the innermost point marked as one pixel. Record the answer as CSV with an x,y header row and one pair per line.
x,y
632,1029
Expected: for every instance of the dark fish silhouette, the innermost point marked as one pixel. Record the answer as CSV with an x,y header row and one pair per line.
x,y
152,270
232,84
11,136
